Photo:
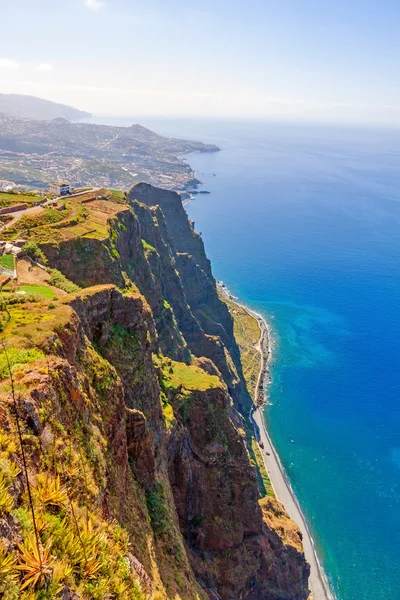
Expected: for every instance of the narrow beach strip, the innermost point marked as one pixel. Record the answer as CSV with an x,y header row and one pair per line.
x,y
318,582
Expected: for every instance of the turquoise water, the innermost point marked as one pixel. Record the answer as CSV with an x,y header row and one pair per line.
x,y
303,225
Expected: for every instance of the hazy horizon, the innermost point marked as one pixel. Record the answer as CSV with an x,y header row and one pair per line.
x,y
261,59
245,119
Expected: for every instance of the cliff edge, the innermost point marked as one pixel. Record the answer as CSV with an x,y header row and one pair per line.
x,y
127,396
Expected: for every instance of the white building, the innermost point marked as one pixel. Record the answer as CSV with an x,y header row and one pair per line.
x,y
60,188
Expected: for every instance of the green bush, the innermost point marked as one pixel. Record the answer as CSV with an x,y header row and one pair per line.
x,y
148,248
33,250
47,217
59,281
17,356
20,299
157,508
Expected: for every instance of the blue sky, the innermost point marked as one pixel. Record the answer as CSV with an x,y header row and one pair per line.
x,y
300,59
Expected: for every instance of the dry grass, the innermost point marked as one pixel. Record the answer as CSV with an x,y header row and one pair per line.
x,y
276,517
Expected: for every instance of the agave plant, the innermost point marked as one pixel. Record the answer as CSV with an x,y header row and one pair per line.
x,y
35,562
74,549
85,549
92,567
49,492
7,443
7,565
9,468
6,500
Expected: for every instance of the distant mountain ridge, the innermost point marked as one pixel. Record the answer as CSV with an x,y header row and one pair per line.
x,y
31,107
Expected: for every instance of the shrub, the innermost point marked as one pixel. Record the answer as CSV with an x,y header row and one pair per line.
x,y
47,217
32,250
17,356
6,500
21,299
148,248
157,508
59,280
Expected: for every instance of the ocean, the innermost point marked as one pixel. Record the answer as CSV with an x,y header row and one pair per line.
x,y
303,225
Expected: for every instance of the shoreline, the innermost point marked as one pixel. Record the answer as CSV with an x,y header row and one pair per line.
x,y
318,582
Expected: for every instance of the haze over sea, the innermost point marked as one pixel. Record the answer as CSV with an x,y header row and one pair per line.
x,y
303,225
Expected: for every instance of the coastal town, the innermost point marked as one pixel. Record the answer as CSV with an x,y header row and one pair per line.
x,y
34,153
19,170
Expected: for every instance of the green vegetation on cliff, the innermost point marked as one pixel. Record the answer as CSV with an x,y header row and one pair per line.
x,y
64,541
127,394
72,470
247,334
58,280
190,377
34,252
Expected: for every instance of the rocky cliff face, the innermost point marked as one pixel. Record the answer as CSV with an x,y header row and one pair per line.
x,y
140,389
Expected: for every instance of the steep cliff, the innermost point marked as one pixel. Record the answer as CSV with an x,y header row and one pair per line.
x,y
128,396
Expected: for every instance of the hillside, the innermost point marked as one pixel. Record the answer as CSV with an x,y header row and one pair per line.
x,y
30,107
35,152
128,386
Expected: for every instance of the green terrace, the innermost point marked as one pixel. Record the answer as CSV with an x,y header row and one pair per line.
x,y
7,261
15,198
76,220
41,291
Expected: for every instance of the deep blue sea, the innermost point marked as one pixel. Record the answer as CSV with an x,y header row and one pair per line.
x,y
303,225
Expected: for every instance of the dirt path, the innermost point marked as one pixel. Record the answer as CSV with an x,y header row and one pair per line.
x,y
30,273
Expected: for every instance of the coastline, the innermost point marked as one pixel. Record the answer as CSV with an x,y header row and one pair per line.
x,y
318,582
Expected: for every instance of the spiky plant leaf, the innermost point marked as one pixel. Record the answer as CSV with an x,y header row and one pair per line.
x,y
7,565
35,563
6,500
49,492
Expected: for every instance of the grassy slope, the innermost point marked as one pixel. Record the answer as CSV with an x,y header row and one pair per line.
x,y
116,196
247,334
41,290
177,374
78,220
